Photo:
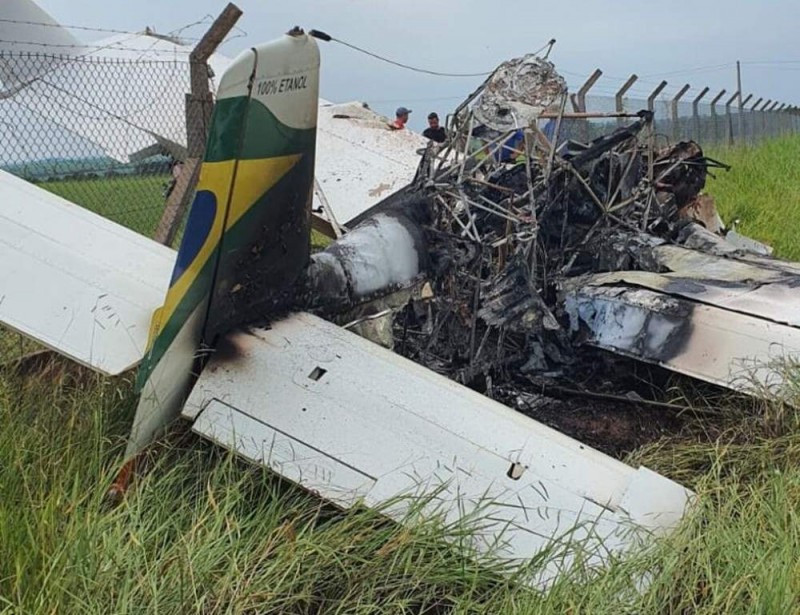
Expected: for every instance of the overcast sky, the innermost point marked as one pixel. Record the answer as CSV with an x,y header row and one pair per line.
x,y
683,42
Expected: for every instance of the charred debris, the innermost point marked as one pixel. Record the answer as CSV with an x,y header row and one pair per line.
x,y
466,270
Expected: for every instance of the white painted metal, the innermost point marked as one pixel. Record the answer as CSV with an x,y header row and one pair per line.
x,y
360,161
778,300
352,421
165,390
757,286
379,254
738,351
76,282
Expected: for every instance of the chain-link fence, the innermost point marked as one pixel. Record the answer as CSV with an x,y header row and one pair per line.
x,y
107,134
706,124
103,133
718,124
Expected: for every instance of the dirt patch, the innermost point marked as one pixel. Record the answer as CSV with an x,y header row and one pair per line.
x,y
615,429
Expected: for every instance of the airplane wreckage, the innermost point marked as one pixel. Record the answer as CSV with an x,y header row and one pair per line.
x,y
404,357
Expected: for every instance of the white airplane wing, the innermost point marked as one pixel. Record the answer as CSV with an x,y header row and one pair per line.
x,y
359,160
75,281
352,421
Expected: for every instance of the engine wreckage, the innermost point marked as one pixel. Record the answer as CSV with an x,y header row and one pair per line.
x,y
516,247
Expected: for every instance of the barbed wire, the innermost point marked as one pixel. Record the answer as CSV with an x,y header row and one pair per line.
x,y
111,46
68,27
88,59
174,33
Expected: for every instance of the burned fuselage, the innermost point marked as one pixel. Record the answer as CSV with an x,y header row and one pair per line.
x,y
535,244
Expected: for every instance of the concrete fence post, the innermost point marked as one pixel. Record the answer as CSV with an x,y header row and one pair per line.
x,y
580,99
729,117
651,100
714,118
742,121
675,123
696,112
619,106
780,118
752,117
762,116
770,119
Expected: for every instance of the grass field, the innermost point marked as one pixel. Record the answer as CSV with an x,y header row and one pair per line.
x,y
204,533
135,202
762,191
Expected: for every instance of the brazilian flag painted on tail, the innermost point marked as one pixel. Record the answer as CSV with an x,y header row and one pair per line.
x,y
248,233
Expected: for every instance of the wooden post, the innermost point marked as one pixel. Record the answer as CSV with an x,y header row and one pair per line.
x,y
199,105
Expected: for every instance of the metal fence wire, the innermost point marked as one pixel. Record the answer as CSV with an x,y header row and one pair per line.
x,y
107,134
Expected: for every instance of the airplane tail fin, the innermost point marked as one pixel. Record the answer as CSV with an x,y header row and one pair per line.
x,y
248,234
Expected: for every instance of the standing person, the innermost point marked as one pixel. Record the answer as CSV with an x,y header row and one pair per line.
x,y
434,131
400,118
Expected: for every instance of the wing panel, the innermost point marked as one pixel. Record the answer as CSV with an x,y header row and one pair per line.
x,y
74,281
336,400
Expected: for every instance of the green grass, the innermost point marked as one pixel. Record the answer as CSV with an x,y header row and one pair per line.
x,y
135,202
762,191
205,533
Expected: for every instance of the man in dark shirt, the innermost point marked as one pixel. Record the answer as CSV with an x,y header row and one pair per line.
x,y
434,131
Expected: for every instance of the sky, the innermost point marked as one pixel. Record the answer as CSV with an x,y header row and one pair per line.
x,y
681,42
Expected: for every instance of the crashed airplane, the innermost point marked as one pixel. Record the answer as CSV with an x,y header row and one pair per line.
x,y
375,368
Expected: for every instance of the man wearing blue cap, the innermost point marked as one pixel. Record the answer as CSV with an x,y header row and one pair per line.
x,y
400,118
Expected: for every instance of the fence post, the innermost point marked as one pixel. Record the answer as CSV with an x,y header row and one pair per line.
x,y
696,113
651,100
729,117
580,101
199,105
584,89
763,113
619,106
779,118
714,102
675,99
742,122
575,105
769,119
752,116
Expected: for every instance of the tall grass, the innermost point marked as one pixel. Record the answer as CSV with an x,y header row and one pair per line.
x,y
762,191
205,533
